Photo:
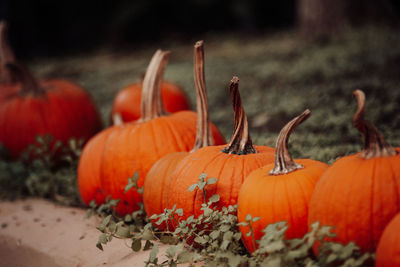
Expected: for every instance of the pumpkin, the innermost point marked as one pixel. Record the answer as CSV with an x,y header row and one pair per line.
x,y
229,163
280,191
127,101
89,183
388,251
158,179
359,194
140,144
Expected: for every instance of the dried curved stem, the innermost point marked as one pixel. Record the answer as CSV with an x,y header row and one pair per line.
x,y
283,161
117,119
6,55
241,143
374,144
203,128
151,103
29,85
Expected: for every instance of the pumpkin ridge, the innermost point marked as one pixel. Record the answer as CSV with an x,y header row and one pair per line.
x,y
185,124
395,179
374,167
299,185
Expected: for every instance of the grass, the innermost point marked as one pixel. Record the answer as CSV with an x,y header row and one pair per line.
x,y
280,76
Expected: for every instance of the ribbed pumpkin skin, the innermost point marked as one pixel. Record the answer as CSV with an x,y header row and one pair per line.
x,y
127,101
157,183
276,198
138,147
65,111
230,169
89,183
358,197
388,251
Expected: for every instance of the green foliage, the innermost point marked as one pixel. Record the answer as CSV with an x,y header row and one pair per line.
x,y
43,170
213,238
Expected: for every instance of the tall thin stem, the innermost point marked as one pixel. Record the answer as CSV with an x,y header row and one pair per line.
x,y
240,143
374,143
151,102
203,128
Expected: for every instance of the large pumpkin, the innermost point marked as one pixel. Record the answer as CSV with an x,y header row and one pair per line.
x,y
127,101
230,164
279,192
158,179
388,251
140,144
359,194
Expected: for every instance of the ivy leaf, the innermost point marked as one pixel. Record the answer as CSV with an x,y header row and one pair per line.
x,y
214,198
147,235
192,187
212,181
103,239
153,254
184,256
147,245
170,252
123,232
99,246
136,245
106,220
179,212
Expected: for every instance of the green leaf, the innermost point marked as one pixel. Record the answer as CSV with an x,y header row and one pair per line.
x,y
123,232
202,176
248,217
215,234
106,220
212,180
136,245
153,253
192,187
256,219
147,245
214,198
184,256
179,212
201,240
103,239
170,252
129,185
147,235
99,246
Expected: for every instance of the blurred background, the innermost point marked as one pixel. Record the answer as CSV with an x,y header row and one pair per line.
x,y
51,28
289,55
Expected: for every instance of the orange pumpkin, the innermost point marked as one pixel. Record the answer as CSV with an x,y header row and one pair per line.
x,y
127,101
29,108
388,251
279,192
89,183
359,194
138,145
158,179
230,164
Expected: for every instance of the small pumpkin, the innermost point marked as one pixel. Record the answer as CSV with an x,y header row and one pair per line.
x,y
388,251
280,191
127,100
359,194
29,107
140,144
158,179
229,163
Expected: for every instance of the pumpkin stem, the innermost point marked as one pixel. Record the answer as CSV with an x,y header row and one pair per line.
x,y
6,55
29,85
374,144
241,141
117,119
151,103
203,129
283,161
